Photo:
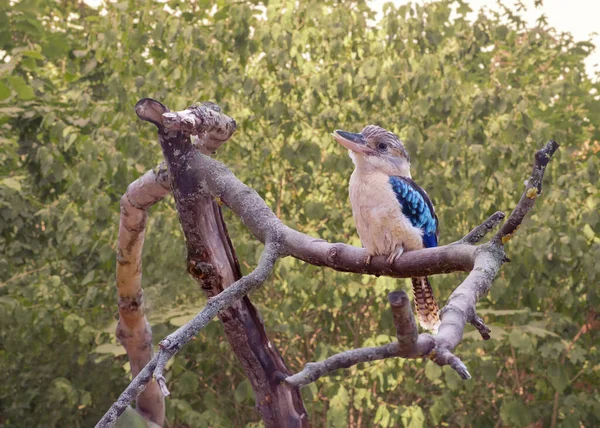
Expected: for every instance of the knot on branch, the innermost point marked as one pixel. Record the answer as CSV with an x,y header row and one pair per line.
x,y
333,255
131,303
161,172
200,270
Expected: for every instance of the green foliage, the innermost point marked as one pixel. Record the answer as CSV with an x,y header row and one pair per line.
x,y
472,100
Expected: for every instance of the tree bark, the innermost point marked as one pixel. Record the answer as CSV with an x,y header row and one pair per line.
x,y
212,262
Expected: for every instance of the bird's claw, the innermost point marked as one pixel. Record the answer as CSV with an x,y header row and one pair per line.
x,y
368,259
392,257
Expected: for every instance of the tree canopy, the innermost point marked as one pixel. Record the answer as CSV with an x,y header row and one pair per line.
x,y
472,100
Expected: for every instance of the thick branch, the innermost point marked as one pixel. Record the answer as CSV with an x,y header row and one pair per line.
x,y
209,127
133,330
170,345
260,220
213,263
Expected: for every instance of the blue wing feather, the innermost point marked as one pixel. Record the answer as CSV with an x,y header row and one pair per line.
x,y
417,207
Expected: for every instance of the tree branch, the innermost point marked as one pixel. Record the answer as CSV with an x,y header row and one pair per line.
x,y
171,344
212,261
479,232
460,308
213,178
532,190
133,330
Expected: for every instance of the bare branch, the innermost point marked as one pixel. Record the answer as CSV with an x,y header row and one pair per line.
x,y
171,344
133,330
404,319
477,234
460,308
133,390
411,344
533,189
212,262
205,122
343,360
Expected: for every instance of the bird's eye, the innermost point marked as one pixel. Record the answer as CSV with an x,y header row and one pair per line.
x,y
382,146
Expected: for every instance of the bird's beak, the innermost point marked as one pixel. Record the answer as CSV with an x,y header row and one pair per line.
x,y
354,142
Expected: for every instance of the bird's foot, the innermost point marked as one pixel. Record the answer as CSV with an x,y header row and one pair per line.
x,y
392,257
368,259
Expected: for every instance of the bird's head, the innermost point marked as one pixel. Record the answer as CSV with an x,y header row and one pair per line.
x,y
376,149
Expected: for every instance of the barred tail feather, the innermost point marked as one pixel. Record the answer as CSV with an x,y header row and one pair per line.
x,y
427,308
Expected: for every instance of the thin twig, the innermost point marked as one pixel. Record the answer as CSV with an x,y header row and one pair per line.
x,y
22,275
477,234
532,190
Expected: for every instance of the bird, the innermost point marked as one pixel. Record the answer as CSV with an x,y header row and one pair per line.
x,y
391,212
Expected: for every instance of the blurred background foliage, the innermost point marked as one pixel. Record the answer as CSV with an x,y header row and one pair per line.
x,y
473,100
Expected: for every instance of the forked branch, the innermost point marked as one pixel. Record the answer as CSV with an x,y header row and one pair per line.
x,y
198,171
171,344
460,308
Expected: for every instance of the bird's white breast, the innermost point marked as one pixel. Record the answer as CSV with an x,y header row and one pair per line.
x,y
381,226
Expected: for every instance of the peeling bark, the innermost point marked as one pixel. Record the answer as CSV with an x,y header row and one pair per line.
x,y
212,262
133,330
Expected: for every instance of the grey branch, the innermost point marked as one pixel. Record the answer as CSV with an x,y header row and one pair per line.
x,y
477,234
260,220
170,345
460,308
532,190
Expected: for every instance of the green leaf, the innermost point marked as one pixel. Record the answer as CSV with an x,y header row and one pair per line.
x,y
12,183
527,122
441,407
5,91
243,393
337,415
89,277
520,340
558,376
588,232
514,412
453,380
181,320
413,417
33,54
110,348
188,383
432,371
73,322
382,417
131,419
23,91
